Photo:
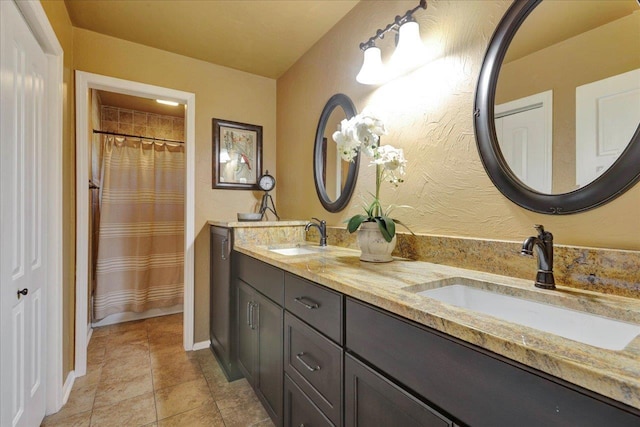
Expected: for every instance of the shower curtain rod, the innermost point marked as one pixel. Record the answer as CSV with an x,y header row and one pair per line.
x,y
103,132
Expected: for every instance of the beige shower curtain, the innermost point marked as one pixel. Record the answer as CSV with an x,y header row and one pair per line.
x,y
141,244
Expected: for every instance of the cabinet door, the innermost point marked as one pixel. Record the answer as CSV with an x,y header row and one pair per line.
x,y
246,330
269,375
372,400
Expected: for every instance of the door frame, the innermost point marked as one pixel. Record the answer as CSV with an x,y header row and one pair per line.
x,y
84,82
38,22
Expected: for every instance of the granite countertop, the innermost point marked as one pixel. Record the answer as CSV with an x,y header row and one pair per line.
x,y
392,287
236,224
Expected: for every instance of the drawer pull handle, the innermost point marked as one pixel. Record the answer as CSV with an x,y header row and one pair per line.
x,y
223,249
306,365
310,304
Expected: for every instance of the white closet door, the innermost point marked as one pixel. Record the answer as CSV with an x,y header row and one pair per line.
x,y
23,212
607,115
524,131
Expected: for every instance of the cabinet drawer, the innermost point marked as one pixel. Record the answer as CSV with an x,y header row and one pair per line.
x,y
316,305
315,364
299,410
265,278
479,388
372,400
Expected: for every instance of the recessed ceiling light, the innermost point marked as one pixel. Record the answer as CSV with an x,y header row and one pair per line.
x,y
172,103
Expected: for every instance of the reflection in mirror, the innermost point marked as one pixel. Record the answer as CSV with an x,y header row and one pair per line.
x,y
334,169
510,171
334,178
567,100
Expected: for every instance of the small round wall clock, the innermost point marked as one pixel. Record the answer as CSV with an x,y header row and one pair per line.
x,y
266,182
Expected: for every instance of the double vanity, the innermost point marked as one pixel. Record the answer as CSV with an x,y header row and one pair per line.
x,y
326,339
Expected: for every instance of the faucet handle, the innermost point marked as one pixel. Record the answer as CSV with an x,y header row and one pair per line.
x,y
320,221
542,234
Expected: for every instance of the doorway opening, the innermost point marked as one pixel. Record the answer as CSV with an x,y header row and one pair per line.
x,y
85,83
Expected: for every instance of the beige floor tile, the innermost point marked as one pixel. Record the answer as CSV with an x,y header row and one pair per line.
x,y
129,360
127,350
137,411
165,327
206,415
206,359
214,375
123,369
248,415
129,336
81,399
167,356
264,423
78,420
174,372
163,320
159,339
111,390
91,377
98,343
225,391
127,326
241,407
99,332
182,397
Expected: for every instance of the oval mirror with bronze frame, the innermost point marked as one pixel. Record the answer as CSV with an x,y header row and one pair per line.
x,y
614,181
334,178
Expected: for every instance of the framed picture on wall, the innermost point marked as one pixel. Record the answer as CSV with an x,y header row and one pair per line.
x,y
237,155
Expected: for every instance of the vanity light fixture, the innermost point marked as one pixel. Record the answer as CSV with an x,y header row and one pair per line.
x,y
406,56
165,102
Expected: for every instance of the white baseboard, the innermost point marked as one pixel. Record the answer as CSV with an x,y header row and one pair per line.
x,y
201,345
68,385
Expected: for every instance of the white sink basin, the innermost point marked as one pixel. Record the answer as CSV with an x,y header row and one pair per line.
x,y
576,325
296,250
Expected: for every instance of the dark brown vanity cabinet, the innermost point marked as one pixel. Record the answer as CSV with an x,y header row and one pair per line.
x,y
222,319
260,318
318,358
476,387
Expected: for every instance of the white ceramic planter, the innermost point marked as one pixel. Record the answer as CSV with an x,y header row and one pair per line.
x,y
373,246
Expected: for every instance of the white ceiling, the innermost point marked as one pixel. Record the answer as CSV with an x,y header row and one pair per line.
x,y
263,37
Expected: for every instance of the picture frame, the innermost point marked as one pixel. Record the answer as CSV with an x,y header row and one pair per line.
x,y
237,155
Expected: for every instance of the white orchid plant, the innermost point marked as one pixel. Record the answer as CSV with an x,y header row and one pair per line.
x,y
361,134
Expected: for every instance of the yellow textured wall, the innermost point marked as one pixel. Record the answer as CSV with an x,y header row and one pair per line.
x,y
61,24
220,92
429,114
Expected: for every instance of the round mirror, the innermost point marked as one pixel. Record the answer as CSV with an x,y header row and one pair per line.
x,y
335,179
557,112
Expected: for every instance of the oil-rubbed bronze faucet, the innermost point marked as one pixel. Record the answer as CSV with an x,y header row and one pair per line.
x,y
543,244
322,228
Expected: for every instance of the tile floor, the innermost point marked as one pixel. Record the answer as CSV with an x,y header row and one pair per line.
x,y
139,375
